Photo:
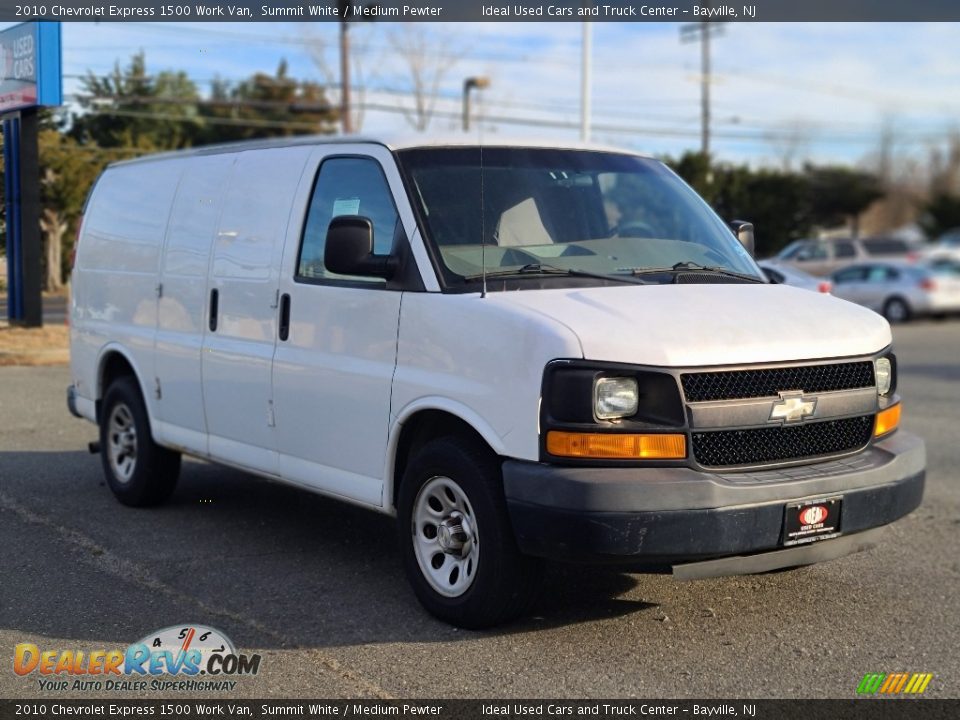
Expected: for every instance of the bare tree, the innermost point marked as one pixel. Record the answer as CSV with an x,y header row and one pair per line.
x,y
428,58
945,166
900,180
54,226
791,144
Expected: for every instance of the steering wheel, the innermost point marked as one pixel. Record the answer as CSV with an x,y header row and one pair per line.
x,y
635,228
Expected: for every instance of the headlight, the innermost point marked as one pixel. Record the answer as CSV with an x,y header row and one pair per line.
x,y
884,373
615,397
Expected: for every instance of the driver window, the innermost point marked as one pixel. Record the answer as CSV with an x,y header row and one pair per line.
x,y
347,186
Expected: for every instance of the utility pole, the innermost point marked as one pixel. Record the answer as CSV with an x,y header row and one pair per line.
x,y
346,118
703,31
586,46
347,13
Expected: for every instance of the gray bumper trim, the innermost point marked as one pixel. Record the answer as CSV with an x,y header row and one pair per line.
x,y
72,401
647,489
777,559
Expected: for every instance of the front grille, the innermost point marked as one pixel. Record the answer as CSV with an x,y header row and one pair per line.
x,y
719,448
768,382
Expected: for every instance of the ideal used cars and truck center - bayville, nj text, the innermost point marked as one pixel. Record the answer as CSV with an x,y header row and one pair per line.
x,y
520,351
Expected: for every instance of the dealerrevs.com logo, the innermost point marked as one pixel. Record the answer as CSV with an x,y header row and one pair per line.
x,y
181,657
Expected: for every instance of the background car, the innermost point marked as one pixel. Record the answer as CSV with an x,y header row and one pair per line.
x,y
901,291
946,246
822,257
786,275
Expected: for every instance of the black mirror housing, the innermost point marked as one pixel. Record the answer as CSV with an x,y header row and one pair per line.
x,y
744,232
349,249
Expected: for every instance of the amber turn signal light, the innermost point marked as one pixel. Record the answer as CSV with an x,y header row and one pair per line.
x,y
887,420
608,446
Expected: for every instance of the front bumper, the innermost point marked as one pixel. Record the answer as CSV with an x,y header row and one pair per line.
x,y
665,516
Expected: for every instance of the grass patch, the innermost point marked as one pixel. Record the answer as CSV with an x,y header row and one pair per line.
x,y
47,345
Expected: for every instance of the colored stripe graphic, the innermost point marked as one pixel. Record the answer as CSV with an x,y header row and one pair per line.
x,y
871,683
918,683
894,683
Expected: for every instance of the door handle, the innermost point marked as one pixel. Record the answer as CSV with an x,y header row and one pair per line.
x,y
214,308
284,327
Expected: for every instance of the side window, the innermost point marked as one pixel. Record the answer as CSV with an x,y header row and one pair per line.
x,y
844,250
850,275
346,186
816,251
879,274
885,246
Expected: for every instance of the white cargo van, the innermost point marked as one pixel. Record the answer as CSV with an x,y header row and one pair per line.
x,y
522,352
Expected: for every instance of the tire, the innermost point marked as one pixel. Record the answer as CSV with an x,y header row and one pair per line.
x,y
457,544
139,472
896,310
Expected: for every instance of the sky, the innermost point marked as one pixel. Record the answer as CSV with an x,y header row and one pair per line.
x,y
782,93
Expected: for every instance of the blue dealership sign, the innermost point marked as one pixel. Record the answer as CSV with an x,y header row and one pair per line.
x,y
30,66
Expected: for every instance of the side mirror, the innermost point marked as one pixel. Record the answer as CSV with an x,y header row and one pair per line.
x,y
744,232
349,249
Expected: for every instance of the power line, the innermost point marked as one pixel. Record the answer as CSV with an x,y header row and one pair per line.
x,y
740,129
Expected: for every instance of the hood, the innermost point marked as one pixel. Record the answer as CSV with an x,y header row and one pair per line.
x,y
710,324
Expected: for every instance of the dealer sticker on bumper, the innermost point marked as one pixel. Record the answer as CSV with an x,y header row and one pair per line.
x,y
811,520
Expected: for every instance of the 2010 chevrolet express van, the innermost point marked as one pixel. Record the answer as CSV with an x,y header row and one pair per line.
x,y
520,351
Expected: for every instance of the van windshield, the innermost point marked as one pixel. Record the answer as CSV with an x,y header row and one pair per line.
x,y
520,211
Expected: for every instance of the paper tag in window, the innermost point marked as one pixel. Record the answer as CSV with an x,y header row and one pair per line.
x,y
346,206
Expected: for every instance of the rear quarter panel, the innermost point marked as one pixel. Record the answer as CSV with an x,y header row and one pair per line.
x,y
116,273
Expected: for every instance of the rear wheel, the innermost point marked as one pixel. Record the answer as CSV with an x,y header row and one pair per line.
x,y
896,310
139,472
458,546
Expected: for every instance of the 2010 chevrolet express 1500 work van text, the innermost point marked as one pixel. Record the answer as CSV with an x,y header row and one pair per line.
x,y
523,352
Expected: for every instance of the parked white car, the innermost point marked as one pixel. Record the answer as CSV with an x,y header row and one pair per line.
x,y
901,291
521,352
946,246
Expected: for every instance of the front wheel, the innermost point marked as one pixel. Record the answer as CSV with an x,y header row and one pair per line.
x,y
140,472
458,547
896,310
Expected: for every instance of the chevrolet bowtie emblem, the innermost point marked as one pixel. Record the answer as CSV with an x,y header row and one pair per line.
x,y
792,407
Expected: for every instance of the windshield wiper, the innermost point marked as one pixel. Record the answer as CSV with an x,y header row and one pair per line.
x,y
696,267
540,269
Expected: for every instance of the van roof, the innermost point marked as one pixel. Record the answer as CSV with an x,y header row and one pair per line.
x,y
402,142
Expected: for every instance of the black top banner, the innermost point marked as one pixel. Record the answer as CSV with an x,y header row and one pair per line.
x,y
483,10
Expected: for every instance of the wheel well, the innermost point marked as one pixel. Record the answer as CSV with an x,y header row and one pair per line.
x,y
113,366
422,427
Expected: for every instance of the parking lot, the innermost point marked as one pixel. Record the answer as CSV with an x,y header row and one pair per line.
x,y
316,586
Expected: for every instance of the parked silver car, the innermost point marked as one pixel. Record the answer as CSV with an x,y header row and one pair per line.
x,y
786,275
901,291
823,257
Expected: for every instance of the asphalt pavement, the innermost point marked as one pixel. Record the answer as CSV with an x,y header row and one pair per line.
x,y
316,587
54,308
